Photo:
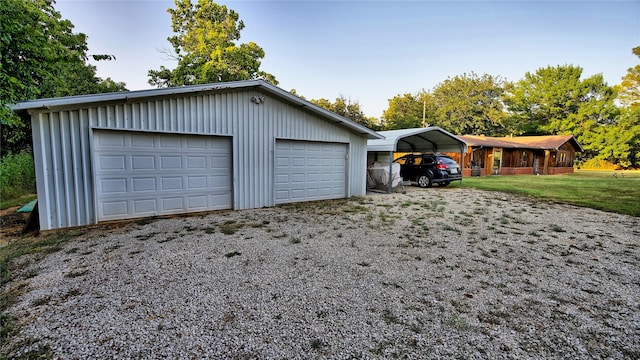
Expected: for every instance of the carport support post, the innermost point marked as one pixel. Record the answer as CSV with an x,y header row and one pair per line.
x,y
390,172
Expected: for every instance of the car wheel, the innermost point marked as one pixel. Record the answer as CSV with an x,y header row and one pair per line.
x,y
424,181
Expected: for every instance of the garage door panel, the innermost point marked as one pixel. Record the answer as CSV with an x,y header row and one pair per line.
x,y
106,162
142,141
170,163
198,202
112,140
144,184
144,206
113,186
196,182
172,204
196,162
309,171
146,174
170,141
143,162
171,183
195,143
115,208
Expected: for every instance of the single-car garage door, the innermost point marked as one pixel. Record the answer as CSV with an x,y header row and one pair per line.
x,y
309,171
147,174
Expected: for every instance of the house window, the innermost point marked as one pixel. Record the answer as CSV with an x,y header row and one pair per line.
x,y
524,159
562,159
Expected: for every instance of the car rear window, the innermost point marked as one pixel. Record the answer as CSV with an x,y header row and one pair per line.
x,y
445,160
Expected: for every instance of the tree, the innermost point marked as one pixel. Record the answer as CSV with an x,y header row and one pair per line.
x,y
471,104
205,47
555,100
40,56
409,111
618,143
629,89
348,109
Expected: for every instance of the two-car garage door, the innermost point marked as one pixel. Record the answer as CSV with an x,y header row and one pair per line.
x,y
147,174
139,174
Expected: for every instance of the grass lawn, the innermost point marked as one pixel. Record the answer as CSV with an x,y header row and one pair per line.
x,y
589,188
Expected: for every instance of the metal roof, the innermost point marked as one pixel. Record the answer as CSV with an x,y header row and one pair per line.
x,y
429,139
192,89
541,142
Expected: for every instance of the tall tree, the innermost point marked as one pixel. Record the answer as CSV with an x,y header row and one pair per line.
x,y
471,104
348,109
629,89
409,111
617,143
555,100
205,47
40,56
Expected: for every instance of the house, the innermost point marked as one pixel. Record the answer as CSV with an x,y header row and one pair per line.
x,y
512,155
235,145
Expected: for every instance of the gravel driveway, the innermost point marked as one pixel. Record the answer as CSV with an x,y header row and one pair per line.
x,y
433,273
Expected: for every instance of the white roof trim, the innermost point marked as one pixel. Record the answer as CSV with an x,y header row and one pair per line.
x,y
140,94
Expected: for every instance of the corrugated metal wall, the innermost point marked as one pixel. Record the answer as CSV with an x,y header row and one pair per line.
x,y
62,145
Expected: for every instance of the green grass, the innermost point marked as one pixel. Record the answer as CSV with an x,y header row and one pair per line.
x,y
588,188
19,201
17,176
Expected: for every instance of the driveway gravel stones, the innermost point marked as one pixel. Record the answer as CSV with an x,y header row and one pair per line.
x,y
433,273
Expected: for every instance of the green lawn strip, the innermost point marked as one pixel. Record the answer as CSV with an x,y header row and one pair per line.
x,y
22,200
598,190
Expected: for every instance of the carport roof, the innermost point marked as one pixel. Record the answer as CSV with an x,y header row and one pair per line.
x,y
125,96
429,139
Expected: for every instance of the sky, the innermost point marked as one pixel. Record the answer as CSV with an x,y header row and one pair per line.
x,y
371,51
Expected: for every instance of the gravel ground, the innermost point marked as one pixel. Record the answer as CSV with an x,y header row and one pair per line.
x,y
433,273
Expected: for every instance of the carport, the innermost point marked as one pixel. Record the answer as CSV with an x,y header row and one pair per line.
x,y
424,140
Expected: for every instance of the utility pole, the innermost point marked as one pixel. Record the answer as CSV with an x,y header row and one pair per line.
x,y
424,112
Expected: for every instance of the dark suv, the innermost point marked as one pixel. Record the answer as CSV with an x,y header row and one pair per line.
x,y
428,169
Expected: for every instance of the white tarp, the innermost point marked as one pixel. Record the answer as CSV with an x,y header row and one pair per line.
x,y
378,175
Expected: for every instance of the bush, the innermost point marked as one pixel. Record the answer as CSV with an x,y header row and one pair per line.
x,y
17,175
598,164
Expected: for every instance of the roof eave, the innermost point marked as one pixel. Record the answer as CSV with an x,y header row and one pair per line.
x,y
47,104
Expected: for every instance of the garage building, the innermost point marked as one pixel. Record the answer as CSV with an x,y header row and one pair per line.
x,y
236,145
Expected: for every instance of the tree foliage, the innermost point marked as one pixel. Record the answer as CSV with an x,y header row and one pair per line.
x,y
40,56
409,111
555,100
629,88
348,109
471,104
205,46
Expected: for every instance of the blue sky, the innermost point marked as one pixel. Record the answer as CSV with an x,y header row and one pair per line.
x,y
371,51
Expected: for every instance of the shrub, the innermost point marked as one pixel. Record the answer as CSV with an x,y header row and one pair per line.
x,y
17,175
598,164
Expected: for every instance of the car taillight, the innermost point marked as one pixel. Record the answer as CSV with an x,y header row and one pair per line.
x,y
441,166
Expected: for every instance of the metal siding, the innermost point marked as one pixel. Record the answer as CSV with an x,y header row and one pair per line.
x,y
63,154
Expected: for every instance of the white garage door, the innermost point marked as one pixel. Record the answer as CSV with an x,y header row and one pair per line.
x,y
146,174
309,171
